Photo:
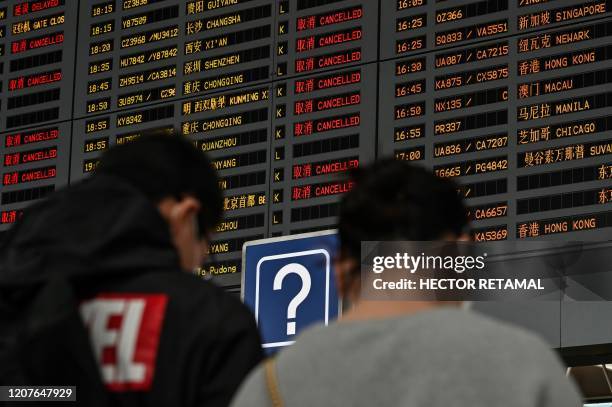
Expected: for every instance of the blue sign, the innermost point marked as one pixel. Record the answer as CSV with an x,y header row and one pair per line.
x,y
289,284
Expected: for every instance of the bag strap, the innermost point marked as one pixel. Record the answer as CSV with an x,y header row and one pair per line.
x,y
272,383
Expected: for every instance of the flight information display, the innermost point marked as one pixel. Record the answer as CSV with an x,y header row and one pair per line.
x,y
509,98
37,56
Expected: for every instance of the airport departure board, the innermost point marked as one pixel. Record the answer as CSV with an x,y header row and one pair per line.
x,y
510,98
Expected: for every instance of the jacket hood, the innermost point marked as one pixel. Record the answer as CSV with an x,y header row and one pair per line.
x,y
100,226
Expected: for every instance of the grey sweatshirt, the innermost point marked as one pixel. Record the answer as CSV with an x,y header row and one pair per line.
x,y
446,357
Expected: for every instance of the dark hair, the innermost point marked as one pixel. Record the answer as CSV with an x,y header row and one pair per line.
x,y
165,164
394,200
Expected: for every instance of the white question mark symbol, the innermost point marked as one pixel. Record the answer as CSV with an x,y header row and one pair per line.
x,y
303,273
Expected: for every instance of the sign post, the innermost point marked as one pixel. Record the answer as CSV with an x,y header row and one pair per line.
x,y
288,282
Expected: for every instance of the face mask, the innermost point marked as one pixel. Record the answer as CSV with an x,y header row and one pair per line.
x,y
196,235
196,226
211,256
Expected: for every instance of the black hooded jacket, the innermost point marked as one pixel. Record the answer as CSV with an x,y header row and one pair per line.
x,y
100,253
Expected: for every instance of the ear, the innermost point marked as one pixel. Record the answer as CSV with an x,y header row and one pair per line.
x,y
345,280
465,237
184,210
179,213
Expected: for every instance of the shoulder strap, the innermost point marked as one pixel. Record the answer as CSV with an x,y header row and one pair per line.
x,y
272,383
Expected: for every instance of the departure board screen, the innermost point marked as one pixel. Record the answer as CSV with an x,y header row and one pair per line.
x,y
509,98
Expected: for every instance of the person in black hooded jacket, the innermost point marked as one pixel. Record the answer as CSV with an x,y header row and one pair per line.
x,y
93,291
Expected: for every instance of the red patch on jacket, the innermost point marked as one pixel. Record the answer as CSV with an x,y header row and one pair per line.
x,y
124,330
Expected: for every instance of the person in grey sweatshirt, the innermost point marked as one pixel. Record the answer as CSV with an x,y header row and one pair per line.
x,y
406,353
